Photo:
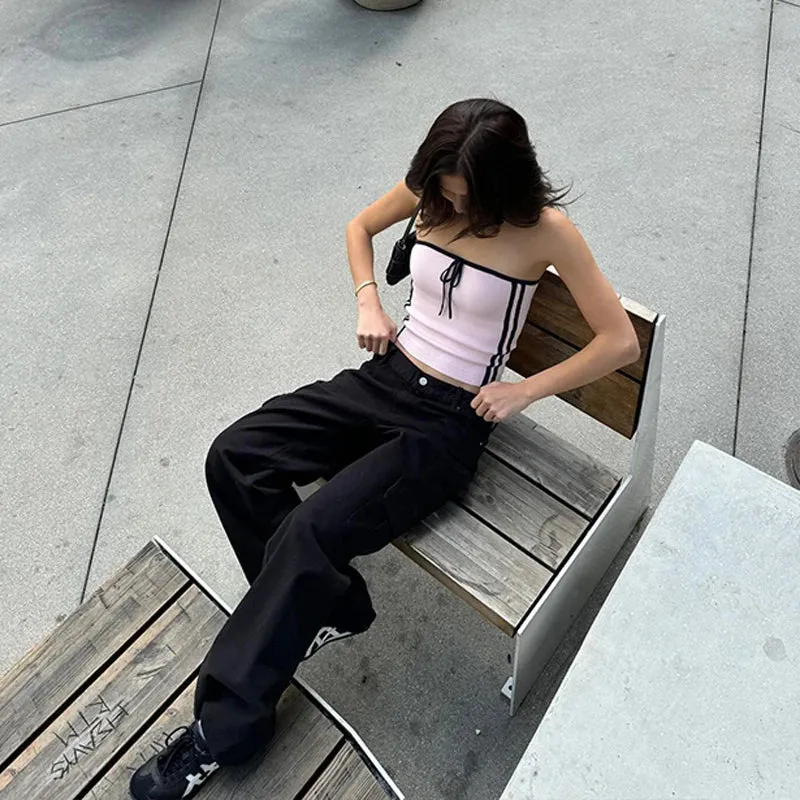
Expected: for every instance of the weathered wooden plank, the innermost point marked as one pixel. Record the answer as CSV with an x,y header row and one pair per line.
x,y
304,738
114,783
555,464
612,400
347,777
554,311
531,518
496,578
53,671
79,743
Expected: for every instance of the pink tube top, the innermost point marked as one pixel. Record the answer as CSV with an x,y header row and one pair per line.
x,y
462,319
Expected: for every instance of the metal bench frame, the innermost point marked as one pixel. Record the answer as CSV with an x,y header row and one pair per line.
x,y
546,623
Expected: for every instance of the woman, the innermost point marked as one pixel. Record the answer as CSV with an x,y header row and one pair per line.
x,y
397,437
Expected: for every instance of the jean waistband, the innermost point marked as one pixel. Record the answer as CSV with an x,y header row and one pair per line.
x,y
426,385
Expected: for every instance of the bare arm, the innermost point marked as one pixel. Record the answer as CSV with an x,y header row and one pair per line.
x,y
375,329
614,344
398,203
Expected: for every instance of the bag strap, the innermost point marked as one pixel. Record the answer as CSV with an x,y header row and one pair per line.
x,y
412,218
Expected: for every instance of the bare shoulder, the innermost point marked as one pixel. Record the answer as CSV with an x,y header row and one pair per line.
x,y
559,239
546,239
598,302
554,225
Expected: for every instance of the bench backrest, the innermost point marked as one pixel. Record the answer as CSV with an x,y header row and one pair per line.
x,y
556,329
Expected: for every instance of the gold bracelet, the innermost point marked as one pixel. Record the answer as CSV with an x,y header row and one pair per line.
x,y
362,285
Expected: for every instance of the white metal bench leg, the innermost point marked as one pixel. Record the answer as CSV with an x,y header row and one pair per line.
x,y
534,644
530,656
544,627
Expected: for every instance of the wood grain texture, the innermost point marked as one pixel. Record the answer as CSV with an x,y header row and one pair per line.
x,y
304,739
553,463
346,778
496,578
612,400
554,311
95,742
528,516
53,671
140,749
78,745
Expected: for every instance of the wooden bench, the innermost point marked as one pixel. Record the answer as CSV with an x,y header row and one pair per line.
x,y
103,692
542,520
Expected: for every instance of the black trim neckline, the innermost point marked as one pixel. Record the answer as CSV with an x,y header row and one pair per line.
x,y
472,264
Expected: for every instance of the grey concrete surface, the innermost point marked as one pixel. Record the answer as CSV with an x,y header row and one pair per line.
x,y
86,197
686,686
262,144
309,110
771,376
68,53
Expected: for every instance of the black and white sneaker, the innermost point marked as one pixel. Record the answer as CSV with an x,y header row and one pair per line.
x,y
325,636
178,771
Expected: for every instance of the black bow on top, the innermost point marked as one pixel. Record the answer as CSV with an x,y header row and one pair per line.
x,y
450,278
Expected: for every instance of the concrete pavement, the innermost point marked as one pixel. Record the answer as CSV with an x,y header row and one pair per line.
x,y
174,183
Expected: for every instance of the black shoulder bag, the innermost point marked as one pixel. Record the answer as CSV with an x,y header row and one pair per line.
x,y
400,263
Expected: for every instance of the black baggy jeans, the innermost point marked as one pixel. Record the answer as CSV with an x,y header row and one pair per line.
x,y
394,444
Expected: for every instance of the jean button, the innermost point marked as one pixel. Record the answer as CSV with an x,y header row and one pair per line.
x,y
423,381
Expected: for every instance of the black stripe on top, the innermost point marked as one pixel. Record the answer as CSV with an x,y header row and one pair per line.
x,y
407,307
511,335
407,304
515,287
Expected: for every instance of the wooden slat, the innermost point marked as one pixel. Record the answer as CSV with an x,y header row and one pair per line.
x,y
54,670
554,311
492,575
304,739
347,778
114,783
82,740
531,518
612,400
560,467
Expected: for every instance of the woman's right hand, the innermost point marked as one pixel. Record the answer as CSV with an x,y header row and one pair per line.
x,y
375,329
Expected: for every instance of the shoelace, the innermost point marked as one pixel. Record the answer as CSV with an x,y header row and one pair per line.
x,y
182,755
450,278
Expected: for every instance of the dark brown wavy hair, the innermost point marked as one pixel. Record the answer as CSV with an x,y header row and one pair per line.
x,y
485,142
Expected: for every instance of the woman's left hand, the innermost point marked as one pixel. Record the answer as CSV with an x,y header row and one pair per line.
x,y
500,400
